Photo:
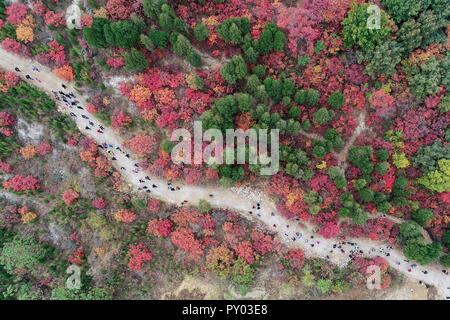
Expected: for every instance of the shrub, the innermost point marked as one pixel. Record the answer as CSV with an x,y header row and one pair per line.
x,y
384,207
194,58
245,101
322,116
422,215
204,206
410,229
340,182
355,31
366,194
294,112
300,97
382,154
445,260
312,97
234,70
336,100
201,32
260,71
359,184
135,60
381,167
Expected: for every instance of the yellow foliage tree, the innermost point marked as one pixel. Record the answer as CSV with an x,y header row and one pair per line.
x,y
24,31
400,160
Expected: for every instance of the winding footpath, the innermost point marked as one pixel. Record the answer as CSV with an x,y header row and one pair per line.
x,y
257,207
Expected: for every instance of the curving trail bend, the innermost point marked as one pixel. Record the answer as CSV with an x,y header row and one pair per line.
x,y
291,232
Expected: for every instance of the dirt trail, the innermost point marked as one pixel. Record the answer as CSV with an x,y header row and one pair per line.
x,y
292,233
343,154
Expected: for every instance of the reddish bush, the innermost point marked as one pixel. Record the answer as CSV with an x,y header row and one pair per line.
x,y
295,258
22,183
39,8
119,9
54,19
5,167
69,196
142,144
124,216
11,45
56,53
262,243
77,257
86,20
184,239
16,12
160,228
153,205
65,72
6,119
116,62
99,203
244,250
329,230
120,119
138,256
44,148
192,175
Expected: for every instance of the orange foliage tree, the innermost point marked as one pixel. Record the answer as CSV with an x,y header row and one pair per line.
x,y
29,151
65,72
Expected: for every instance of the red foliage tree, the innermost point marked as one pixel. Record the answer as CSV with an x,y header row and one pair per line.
x,y
244,250
153,205
54,19
192,175
5,167
69,196
119,9
184,239
295,258
138,256
77,257
183,217
120,119
44,148
99,203
116,62
160,228
261,242
16,12
91,108
56,53
329,230
126,216
39,8
6,119
86,20
142,144
65,72
11,45
22,183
